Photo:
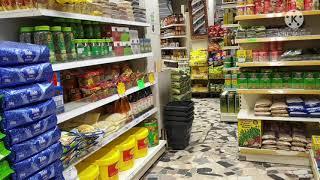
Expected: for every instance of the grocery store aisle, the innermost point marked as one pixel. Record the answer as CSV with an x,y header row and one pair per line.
x,y
213,154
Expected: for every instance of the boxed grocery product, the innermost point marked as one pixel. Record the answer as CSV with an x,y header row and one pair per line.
x,y
242,80
58,99
242,56
297,80
249,133
316,146
276,81
253,80
310,80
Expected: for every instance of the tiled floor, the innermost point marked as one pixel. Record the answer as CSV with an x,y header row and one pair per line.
x,y
213,154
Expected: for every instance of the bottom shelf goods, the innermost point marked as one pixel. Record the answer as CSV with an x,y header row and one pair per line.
x,y
180,85
229,102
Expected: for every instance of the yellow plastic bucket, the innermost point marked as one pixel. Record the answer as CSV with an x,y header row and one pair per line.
x,y
141,147
126,149
108,165
89,173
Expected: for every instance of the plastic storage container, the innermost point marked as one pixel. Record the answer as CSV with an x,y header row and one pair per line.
x,y
126,148
43,36
141,135
109,164
59,44
69,43
26,34
89,173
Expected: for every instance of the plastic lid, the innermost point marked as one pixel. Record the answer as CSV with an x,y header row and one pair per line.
x,y
140,132
111,157
42,28
126,143
66,29
91,172
26,29
55,28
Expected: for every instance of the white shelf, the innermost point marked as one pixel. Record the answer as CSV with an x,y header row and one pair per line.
x,y
143,164
230,25
53,13
228,117
92,62
114,136
175,61
229,47
172,37
74,109
173,48
249,115
229,6
173,25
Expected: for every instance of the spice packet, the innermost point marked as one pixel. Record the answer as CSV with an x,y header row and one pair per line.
x,y
5,170
3,151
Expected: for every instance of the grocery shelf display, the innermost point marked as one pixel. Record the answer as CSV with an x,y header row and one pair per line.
x,y
87,83
277,84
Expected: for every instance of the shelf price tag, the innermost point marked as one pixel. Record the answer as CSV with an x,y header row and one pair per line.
x,y
151,78
121,88
140,83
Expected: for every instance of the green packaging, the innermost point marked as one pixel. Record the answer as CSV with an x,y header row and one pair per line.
x,y
234,80
231,108
297,80
153,136
3,151
317,80
223,102
253,81
242,81
2,135
309,80
265,80
276,81
227,80
5,170
286,80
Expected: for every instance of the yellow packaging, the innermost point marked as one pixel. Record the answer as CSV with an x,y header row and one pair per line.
x,y
126,148
249,133
249,57
109,165
316,146
89,173
141,135
241,55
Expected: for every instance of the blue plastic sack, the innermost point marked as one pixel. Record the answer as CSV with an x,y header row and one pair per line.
x,y
13,53
294,101
313,110
27,115
315,115
35,163
33,146
23,95
53,171
298,114
17,135
27,74
311,102
296,108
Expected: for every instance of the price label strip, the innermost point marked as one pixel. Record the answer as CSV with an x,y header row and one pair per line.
x,y
151,78
121,89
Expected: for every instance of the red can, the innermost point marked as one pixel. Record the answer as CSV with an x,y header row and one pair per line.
x,y
273,46
307,5
255,56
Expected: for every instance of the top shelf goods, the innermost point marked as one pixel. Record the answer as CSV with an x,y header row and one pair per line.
x,y
256,9
101,12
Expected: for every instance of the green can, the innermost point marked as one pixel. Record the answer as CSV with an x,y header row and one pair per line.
x,y
153,135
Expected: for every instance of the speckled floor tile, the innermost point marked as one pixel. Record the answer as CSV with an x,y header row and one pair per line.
x,y
213,154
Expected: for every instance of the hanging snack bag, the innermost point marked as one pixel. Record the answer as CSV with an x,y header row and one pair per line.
x,y
27,115
23,95
20,134
20,75
5,170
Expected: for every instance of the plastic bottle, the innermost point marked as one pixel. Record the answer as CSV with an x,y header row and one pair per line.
x,y
43,36
26,34
69,43
59,45
88,30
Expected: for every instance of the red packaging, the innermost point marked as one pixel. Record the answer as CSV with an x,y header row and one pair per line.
x,y
291,5
263,56
255,56
279,46
266,47
275,55
280,6
267,7
259,7
307,5
273,46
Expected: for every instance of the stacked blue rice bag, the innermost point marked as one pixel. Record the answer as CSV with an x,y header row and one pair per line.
x,y
28,118
307,107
